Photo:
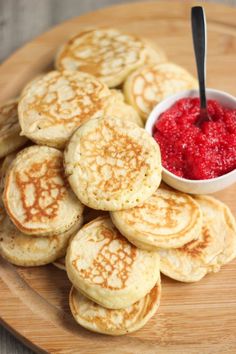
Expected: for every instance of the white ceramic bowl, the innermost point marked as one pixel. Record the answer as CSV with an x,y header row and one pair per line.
x,y
185,185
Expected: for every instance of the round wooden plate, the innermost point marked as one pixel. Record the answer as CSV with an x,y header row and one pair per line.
x,y
193,318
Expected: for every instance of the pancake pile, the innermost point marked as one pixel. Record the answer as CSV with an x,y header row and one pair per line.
x,y
114,322
116,286
106,268
89,66
42,211
192,235
26,250
215,246
85,193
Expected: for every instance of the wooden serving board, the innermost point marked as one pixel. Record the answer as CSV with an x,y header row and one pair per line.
x,y
193,318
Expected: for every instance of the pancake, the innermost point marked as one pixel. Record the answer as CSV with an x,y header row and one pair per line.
x,y
151,84
116,107
60,263
220,213
36,195
167,219
105,53
54,105
118,94
3,171
114,322
88,215
216,245
106,268
10,139
156,55
28,251
112,164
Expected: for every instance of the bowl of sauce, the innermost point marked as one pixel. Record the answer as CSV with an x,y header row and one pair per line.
x,y
196,158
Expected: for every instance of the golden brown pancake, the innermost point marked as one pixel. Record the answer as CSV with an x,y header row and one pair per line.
x,y
106,268
156,54
114,322
28,251
151,84
114,106
54,105
37,196
105,53
167,219
219,213
112,164
215,246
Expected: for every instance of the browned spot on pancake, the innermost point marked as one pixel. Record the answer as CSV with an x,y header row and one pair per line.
x,y
117,154
46,183
195,247
107,322
106,319
108,263
167,216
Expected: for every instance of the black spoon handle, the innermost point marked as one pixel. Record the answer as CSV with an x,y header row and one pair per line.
x,y
199,42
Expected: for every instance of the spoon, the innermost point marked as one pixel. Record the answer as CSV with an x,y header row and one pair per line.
x,y
199,42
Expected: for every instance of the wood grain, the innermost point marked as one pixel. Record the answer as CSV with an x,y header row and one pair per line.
x,y
22,20
193,318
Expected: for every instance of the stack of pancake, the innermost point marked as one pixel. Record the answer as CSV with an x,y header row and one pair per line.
x,y
87,183
193,235
42,211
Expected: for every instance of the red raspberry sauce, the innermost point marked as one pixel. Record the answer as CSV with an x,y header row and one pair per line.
x,y
195,152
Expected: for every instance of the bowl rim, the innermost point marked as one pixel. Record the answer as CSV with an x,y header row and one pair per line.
x,y
179,95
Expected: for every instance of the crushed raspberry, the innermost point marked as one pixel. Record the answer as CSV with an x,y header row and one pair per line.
x,y
197,152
